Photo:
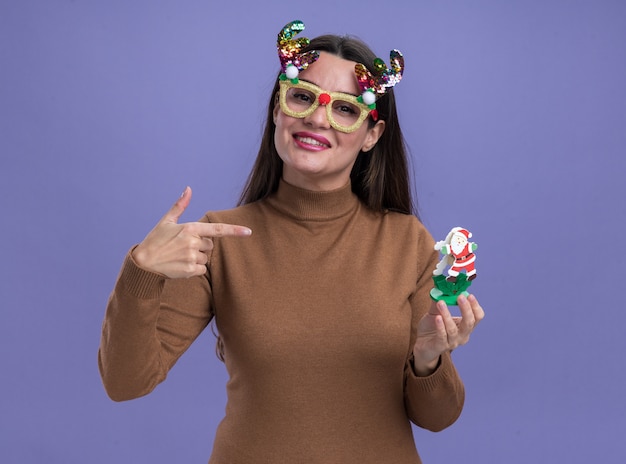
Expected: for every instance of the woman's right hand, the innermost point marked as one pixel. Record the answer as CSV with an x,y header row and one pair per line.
x,y
180,250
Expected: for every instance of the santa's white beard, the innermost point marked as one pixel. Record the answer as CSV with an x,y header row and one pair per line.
x,y
457,247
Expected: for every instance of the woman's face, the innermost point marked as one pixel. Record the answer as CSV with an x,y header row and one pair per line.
x,y
316,156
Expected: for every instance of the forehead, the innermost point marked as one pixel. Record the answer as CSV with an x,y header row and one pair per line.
x,y
332,73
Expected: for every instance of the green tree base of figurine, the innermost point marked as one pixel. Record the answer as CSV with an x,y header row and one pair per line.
x,y
449,291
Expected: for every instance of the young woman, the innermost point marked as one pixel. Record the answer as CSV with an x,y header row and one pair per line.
x,y
318,281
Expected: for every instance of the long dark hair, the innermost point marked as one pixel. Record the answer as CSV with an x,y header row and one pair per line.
x,y
380,177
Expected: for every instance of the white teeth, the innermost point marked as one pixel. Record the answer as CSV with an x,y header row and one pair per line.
x,y
311,141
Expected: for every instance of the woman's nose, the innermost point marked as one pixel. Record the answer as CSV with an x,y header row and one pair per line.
x,y
318,118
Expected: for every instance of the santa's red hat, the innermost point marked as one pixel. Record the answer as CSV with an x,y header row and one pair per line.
x,y
461,230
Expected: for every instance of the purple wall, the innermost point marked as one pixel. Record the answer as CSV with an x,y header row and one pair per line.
x,y
108,109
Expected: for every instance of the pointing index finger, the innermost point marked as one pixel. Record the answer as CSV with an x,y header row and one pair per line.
x,y
217,229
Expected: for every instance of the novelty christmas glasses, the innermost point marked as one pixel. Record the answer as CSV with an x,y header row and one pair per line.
x,y
345,112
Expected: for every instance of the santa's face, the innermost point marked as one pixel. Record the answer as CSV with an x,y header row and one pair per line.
x,y
457,243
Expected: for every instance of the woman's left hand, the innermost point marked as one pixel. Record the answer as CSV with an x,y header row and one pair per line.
x,y
438,331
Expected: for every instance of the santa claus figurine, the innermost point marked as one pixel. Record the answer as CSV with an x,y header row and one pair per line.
x,y
458,253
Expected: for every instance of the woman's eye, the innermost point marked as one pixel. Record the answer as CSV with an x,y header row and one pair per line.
x,y
302,97
346,109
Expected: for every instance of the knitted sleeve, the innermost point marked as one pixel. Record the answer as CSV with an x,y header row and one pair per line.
x,y
436,401
150,321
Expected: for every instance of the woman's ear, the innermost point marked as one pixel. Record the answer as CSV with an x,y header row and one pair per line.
x,y
373,135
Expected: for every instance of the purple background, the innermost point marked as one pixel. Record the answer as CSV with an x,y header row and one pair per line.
x,y
515,113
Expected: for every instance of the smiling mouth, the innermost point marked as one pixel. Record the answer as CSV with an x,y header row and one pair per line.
x,y
306,140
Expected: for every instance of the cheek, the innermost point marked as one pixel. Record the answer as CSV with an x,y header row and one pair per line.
x,y
282,135
354,140
281,121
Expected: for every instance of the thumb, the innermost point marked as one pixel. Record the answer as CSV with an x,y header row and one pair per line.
x,y
178,208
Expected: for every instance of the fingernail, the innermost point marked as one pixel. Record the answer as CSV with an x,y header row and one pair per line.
x,y
247,231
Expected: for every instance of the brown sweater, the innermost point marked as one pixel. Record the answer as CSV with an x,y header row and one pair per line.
x,y
317,311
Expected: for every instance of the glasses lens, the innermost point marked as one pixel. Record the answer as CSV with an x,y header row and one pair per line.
x,y
345,113
299,100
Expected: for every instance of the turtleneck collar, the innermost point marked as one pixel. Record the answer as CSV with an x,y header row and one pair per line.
x,y
309,205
